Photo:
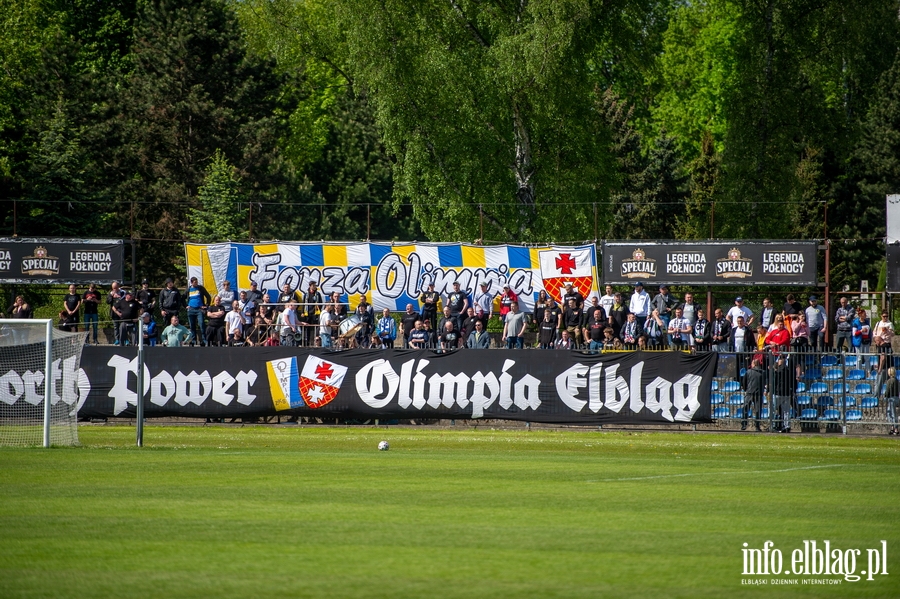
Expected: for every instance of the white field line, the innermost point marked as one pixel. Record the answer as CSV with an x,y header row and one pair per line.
x,y
605,480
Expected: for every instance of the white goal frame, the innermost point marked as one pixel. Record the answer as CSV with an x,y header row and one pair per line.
x,y
48,367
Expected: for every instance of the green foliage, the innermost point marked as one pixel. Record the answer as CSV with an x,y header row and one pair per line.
x,y
221,216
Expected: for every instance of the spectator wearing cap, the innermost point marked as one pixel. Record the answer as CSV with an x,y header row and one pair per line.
x,y
739,309
170,302
254,294
484,299
507,298
146,297
639,304
227,296
817,321
149,330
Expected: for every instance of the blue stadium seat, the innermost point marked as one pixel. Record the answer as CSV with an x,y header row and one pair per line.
x,y
804,400
721,413
831,415
801,387
862,389
849,402
715,385
764,414
839,388
826,401
812,374
736,400
869,402
717,398
809,414
835,374
856,375
854,415
829,360
850,360
818,389
872,375
873,361
732,386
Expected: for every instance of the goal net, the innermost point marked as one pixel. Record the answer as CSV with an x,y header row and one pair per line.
x,y
24,417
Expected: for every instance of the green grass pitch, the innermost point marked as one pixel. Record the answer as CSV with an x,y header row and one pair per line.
x,y
223,512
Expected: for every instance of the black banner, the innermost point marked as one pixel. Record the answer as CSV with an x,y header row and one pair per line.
x,y
893,267
534,385
710,263
61,260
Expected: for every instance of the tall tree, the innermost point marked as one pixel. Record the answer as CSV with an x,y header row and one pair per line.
x,y
221,215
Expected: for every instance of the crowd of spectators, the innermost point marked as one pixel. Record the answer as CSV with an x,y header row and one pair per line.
x,y
458,320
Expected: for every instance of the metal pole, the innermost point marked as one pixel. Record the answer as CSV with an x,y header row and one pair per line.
x,y
139,410
827,289
48,378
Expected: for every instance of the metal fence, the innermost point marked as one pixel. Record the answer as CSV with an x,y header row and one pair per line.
x,y
830,391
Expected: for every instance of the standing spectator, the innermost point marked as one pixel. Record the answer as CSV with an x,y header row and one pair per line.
x,y
198,299
507,297
286,296
450,338
572,293
429,300
91,302
364,334
339,309
739,309
843,321
408,323
479,338
387,329
71,304
148,329
892,397
680,330
484,300
767,314
234,321
326,329
215,327
799,332
664,303
175,335
817,321
170,301
689,308
654,329
631,330
556,313
784,383
547,332
572,319
741,336
468,324
514,327
115,295
247,308
444,319
862,332
702,332
778,339
618,314
791,305
254,294
227,296
594,329
146,297
127,311
754,380
457,301
313,301
288,324
418,338
540,305
607,301
639,304
721,331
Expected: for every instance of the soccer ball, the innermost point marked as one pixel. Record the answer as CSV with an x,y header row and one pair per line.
x,y
383,446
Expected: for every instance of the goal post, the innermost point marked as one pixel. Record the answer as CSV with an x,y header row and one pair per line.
x,y
39,383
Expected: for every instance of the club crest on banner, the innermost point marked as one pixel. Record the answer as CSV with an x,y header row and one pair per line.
x,y
320,381
559,267
283,383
